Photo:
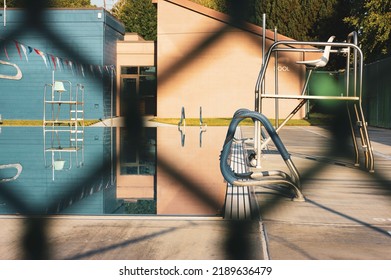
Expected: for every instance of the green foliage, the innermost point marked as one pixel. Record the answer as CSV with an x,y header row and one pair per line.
x,y
373,20
70,3
138,16
218,5
298,19
317,20
48,3
307,20
140,207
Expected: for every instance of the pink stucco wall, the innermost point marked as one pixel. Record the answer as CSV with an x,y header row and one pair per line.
x,y
203,61
132,51
189,181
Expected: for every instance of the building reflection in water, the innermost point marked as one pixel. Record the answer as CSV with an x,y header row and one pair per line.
x,y
142,184
147,188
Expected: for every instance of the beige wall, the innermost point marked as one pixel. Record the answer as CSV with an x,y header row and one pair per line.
x,y
199,165
135,186
133,51
220,75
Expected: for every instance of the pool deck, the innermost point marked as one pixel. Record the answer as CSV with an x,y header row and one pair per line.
x,y
120,122
347,215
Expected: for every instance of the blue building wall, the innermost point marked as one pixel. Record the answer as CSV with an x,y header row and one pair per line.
x,y
37,188
84,37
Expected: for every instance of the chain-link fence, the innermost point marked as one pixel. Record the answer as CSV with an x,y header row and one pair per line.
x,y
35,230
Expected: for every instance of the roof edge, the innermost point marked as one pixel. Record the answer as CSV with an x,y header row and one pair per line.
x,y
247,26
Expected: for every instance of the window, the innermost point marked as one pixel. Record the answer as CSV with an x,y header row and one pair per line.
x,y
141,161
141,82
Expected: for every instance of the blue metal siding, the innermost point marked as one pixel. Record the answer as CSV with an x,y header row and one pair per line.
x,y
35,185
83,40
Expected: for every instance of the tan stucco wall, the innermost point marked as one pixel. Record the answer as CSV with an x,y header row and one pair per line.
x,y
135,186
198,165
133,51
202,61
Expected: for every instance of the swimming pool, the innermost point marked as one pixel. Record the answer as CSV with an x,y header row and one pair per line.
x,y
176,172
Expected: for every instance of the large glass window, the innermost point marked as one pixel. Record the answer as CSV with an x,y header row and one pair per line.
x,y
141,82
138,160
129,70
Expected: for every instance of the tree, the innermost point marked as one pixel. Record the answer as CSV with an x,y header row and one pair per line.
x,y
49,3
138,16
305,20
372,18
218,5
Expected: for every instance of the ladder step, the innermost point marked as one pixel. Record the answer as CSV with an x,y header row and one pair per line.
x,y
76,119
78,111
77,131
78,140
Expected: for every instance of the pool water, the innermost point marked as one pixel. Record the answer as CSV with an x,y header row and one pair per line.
x,y
176,174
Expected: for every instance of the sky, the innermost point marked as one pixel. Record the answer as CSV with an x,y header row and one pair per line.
x,y
100,3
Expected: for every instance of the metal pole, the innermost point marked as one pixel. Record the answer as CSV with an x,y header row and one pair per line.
x,y
276,103
52,85
258,126
5,13
263,52
111,125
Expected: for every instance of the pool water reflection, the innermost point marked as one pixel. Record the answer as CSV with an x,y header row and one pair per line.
x,y
136,182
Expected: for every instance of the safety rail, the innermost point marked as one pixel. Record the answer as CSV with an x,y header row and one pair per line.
x,y
353,97
274,177
289,48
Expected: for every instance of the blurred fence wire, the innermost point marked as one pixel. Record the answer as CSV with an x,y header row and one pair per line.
x,y
35,232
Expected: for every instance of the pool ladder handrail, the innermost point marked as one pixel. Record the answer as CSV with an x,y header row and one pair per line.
x,y
262,178
16,166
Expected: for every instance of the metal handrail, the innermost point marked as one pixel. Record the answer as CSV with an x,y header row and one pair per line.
x,y
357,89
259,178
17,166
182,120
290,48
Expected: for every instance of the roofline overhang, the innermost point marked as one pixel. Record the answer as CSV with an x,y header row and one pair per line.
x,y
225,18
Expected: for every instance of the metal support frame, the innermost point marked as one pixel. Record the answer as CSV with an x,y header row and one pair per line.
x,y
354,98
56,124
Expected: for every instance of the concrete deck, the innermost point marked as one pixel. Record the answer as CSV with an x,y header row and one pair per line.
x,y
347,215
120,122
134,238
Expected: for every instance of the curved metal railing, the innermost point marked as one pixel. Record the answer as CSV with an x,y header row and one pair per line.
x,y
275,177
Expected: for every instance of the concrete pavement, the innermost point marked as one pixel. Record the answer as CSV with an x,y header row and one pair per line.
x,y
136,238
347,215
